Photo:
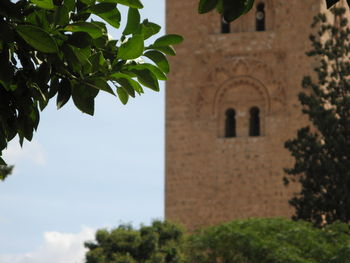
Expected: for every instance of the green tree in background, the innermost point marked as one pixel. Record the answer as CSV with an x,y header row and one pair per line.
x,y
256,240
162,242
322,153
53,48
269,240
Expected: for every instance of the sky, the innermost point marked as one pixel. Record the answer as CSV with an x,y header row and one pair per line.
x,y
82,173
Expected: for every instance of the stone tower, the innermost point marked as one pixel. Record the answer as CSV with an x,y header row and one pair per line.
x,y
231,103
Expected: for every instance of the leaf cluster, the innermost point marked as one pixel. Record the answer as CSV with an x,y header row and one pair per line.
x,y
5,170
230,10
159,243
322,152
56,48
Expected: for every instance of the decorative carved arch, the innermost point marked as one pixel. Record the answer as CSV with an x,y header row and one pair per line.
x,y
240,69
236,82
241,66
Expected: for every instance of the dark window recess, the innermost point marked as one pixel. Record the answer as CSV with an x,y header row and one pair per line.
x,y
260,17
225,26
230,123
254,122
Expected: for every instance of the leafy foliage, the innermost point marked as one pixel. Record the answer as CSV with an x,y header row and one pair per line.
x,y
159,243
54,48
266,240
5,170
322,152
270,241
231,10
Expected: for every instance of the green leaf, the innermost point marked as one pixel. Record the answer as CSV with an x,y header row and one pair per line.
x,y
37,38
71,58
108,12
132,48
248,5
2,162
100,42
61,15
155,70
123,95
6,32
144,75
87,2
129,3
93,30
64,93
70,4
54,84
100,84
206,5
38,18
6,71
233,9
127,83
168,40
168,50
149,29
133,23
37,92
98,62
84,97
46,4
82,57
159,59
79,39
25,125
44,73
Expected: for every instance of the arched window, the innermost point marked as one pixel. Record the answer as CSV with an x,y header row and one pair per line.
x,y
254,122
260,17
230,123
225,26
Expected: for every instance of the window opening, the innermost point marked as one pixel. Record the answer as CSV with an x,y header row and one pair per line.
x,y
254,122
260,17
230,123
225,26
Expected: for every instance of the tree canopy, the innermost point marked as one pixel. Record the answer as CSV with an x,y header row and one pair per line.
x,y
322,151
268,240
162,242
62,49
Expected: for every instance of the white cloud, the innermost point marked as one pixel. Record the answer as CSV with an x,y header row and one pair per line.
x,y
31,151
57,248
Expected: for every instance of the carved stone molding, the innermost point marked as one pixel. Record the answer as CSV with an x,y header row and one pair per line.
x,y
236,72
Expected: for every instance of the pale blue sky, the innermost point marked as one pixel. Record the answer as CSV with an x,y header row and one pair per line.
x,y
87,171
